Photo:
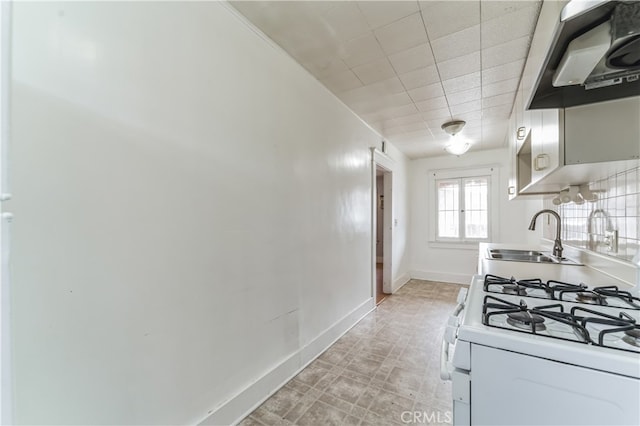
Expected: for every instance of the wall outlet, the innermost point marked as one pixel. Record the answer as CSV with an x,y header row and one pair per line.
x,y
611,241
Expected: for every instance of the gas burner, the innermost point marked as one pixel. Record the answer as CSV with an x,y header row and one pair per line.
x,y
635,333
632,337
590,297
526,321
613,291
514,289
496,284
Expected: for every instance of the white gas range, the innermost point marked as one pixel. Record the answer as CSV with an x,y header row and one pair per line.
x,y
543,352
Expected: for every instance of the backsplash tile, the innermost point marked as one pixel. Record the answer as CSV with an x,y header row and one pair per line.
x,y
617,208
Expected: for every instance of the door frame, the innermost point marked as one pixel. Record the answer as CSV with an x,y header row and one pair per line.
x,y
6,380
386,163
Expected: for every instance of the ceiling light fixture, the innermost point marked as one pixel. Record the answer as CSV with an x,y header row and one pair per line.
x,y
456,146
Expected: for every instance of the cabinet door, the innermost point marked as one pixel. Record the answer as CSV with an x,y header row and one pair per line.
x,y
547,142
606,131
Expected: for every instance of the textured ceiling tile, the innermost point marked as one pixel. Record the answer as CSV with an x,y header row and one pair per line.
x,y
341,81
392,133
466,107
435,123
508,27
492,9
380,104
463,96
500,87
395,100
416,136
504,99
410,119
431,104
426,92
500,111
421,77
344,21
390,86
503,72
386,45
380,13
372,91
390,126
470,116
374,71
446,17
418,126
360,50
457,44
437,113
465,82
402,34
505,53
295,26
399,111
459,66
321,62
412,59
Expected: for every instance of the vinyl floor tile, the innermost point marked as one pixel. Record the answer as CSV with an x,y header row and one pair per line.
x,y
386,365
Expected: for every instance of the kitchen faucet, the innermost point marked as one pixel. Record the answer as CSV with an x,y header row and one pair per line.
x,y
592,215
557,244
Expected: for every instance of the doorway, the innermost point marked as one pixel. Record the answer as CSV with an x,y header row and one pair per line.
x,y
379,258
382,217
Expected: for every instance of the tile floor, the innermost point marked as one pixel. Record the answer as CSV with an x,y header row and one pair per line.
x,y
387,365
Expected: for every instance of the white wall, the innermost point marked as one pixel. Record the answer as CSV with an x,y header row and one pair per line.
x,y
192,214
458,265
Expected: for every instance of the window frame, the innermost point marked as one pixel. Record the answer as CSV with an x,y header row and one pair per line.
x,y
492,174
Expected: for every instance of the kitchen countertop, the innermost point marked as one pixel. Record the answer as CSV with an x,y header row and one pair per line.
x,y
561,272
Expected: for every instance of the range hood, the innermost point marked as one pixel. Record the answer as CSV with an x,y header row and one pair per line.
x,y
594,56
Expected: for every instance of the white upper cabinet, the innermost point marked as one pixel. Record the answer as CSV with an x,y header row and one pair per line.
x,y
610,131
554,148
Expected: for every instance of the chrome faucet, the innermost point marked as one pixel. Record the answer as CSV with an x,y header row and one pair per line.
x,y
557,244
592,215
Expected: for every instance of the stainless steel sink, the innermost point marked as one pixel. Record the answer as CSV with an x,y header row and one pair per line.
x,y
510,252
530,256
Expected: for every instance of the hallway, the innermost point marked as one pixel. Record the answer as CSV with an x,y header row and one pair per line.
x,y
384,371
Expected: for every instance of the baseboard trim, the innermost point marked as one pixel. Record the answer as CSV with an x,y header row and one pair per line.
x,y
241,405
445,277
399,282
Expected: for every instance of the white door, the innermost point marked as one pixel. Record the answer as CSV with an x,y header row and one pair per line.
x,y
5,218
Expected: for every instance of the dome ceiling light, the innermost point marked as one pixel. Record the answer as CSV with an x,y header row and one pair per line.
x,y
456,145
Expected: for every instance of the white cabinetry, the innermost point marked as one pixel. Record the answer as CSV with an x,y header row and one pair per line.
x,y
612,129
554,148
546,142
578,145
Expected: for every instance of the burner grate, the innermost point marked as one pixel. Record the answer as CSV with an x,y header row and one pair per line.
x,y
557,290
578,325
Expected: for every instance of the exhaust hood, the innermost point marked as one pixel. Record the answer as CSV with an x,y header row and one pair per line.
x,y
594,56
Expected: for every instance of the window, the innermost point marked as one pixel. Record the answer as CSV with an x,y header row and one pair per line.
x,y
462,203
463,208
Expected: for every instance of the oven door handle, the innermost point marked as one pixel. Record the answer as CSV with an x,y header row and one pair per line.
x,y
449,336
445,366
